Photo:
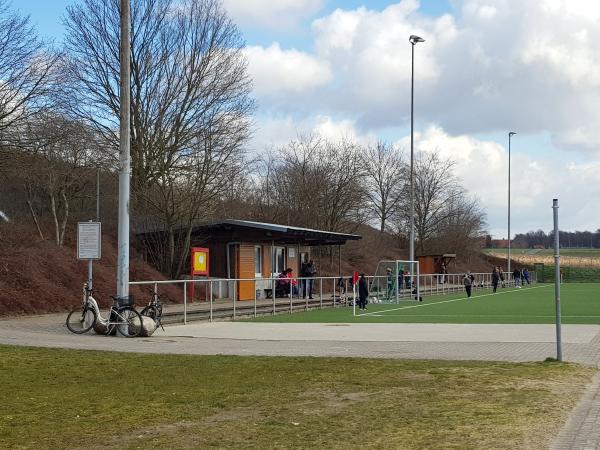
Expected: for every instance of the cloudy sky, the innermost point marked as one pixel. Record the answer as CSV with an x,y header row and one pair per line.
x,y
342,68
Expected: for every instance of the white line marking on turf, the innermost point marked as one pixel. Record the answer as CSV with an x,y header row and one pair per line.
x,y
472,315
452,300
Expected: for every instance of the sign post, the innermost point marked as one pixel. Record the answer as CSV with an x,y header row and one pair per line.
x,y
89,245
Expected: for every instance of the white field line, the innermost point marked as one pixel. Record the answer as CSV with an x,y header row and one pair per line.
x,y
471,315
452,300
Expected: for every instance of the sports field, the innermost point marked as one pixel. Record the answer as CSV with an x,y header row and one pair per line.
x,y
580,304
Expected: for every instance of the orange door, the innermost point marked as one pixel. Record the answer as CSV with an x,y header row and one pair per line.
x,y
245,289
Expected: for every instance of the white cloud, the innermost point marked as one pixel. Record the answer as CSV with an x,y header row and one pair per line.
x,y
482,167
278,14
276,132
278,72
493,65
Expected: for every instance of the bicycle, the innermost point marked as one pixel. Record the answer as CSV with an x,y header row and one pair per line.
x,y
125,319
154,310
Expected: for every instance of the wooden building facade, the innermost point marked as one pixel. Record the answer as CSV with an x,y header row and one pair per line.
x,y
241,249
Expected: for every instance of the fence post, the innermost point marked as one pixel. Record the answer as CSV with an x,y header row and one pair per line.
x,y
234,296
211,299
321,291
254,297
273,293
291,291
184,301
307,291
334,292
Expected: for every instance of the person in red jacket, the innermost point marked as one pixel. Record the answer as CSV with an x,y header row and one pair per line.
x,y
292,283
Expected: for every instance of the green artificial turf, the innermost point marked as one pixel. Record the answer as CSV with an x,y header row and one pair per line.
x,y
580,304
68,399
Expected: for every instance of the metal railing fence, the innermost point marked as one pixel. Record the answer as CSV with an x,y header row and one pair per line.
x,y
327,292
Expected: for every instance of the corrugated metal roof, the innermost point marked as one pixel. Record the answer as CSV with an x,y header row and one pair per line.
x,y
282,228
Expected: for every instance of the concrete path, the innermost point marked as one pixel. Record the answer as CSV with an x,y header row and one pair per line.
x,y
406,341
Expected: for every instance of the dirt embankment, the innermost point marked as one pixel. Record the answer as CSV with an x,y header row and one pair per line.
x,y
37,276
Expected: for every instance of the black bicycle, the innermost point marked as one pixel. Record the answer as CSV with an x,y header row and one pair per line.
x,y
154,310
125,319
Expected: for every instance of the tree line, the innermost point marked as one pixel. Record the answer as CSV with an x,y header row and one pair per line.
x,y
191,122
539,238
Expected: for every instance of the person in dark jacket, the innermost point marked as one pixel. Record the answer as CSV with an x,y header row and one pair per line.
x,y
363,292
495,278
468,283
517,278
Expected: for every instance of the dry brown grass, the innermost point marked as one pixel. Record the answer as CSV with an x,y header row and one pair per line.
x,y
565,260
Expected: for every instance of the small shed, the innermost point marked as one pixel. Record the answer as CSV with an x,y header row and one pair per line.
x,y
435,263
256,250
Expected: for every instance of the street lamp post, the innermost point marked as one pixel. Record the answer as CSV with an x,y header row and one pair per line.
x,y
413,40
510,134
124,155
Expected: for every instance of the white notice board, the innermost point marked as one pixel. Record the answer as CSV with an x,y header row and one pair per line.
x,y
88,240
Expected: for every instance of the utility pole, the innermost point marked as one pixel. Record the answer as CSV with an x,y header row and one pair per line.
x,y
557,280
413,39
124,155
509,136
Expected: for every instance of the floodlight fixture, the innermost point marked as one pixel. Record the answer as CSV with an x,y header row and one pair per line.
x,y
413,39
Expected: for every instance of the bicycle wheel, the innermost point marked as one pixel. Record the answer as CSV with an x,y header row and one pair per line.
x,y
81,320
152,312
129,321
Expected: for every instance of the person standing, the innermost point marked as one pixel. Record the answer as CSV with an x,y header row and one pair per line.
x,y
495,278
363,292
517,278
390,284
304,278
443,272
526,275
501,275
468,283
311,270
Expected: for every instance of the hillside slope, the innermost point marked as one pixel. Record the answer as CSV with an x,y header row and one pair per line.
x,y
37,276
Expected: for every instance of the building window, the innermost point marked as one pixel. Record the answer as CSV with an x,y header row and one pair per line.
x,y
279,260
257,261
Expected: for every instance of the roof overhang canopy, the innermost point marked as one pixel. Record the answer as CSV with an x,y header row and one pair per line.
x,y
244,230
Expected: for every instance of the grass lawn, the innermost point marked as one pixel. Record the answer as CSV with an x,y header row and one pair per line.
x,y
84,399
580,303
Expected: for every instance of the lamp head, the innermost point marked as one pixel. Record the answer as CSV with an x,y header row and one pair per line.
x,y
413,39
512,133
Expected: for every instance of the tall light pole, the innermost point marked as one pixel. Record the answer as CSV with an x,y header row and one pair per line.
x,y
124,155
413,40
510,134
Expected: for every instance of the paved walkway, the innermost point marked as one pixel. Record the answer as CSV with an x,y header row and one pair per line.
x,y
581,344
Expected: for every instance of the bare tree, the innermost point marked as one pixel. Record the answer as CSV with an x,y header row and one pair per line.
x,y
190,106
25,69
313,183
188,75
442,207
385,180
56,154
